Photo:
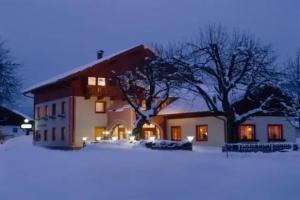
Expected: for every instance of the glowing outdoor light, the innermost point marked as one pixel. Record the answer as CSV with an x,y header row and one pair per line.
x,y
129,132
132,138
26,126
114,138
190,138
84,139
152,138
106,132
26,121
98,139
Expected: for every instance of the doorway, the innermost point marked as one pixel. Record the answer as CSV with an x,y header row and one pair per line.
x,y
99,132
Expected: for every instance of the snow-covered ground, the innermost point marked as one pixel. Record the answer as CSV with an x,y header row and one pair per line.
x,y
114,171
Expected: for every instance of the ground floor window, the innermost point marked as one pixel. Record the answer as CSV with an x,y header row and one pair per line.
x,y
62,136
150,130
176,133
37,135
275,132
202,133
45,135
53,134
247,132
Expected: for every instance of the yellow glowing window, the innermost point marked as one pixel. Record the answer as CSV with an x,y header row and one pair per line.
x,y
101,81
202,133
176,133
100,107
247,132
91,80
275,132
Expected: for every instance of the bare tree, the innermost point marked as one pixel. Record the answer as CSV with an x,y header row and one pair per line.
x,y
291,84
227,70
146,88
9,82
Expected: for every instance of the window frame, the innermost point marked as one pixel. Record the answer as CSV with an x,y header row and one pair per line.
x,y
197,128
46,111
38,112
254,133
92,77
104,107
282,133
172,138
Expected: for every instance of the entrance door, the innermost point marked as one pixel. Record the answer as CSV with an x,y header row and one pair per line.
x,y
99,132
148,132
122,133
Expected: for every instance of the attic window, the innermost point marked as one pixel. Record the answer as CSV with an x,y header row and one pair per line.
x,y
91,80
101,81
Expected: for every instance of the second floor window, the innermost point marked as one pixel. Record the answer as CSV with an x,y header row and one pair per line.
x,y
92,81
63,107
38,112
46,111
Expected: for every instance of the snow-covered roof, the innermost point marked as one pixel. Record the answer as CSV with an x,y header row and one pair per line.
x,y
186,103
59,77
17,112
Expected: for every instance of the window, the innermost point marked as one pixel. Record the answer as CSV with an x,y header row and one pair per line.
x,y
37,136
100,107
38,112
247,132
15,130
275,132
202,133
45,135
91,80
62,136
63,107
53,134
101,81
176,133
46,111
53,109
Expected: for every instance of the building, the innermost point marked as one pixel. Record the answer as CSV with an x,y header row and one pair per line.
x,y
86,103
10,123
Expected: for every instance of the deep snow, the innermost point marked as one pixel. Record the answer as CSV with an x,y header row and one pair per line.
x,y
121,171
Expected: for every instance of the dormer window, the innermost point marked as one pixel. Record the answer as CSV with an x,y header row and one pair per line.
x,y
91,80
101,81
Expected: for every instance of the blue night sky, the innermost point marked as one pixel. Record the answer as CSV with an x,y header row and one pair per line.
x,y
51,36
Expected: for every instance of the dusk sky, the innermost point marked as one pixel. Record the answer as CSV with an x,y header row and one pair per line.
x,y
52,36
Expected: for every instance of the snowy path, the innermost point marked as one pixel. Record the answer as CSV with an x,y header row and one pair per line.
x,y
28,172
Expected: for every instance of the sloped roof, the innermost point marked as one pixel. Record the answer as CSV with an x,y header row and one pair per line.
x,y
10,116
76,70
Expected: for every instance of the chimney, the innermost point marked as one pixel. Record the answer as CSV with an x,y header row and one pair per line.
x,y
100,54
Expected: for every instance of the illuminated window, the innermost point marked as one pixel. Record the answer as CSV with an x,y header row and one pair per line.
x,y
143,104
45,135
63,107
101,81
202,133
62,136
53,134
53,109
176,133
91,80
275,132
46,111
247,132
100,107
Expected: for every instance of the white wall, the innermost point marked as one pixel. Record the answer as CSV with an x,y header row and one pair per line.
x,y
57,123
188,128
86,120
261,123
